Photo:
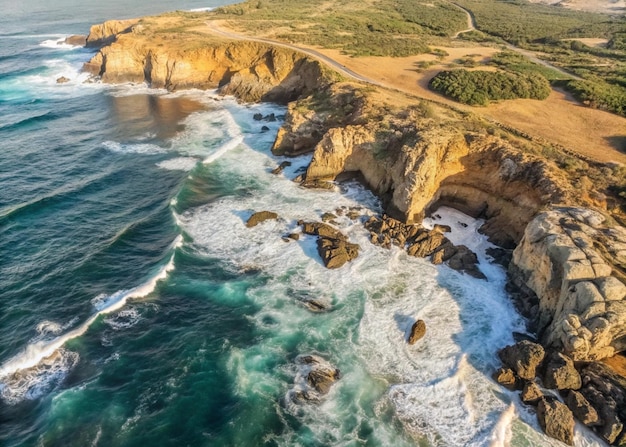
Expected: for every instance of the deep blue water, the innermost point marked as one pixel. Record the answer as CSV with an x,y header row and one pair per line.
x,y
137,309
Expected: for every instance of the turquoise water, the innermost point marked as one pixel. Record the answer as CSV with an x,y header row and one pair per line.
x,y
137,309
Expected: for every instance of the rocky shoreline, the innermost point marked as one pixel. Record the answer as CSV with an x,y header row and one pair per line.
x,y
566,247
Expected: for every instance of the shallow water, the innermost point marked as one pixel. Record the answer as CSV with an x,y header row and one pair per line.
x,y
137,308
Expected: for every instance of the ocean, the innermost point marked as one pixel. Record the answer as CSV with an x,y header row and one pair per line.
x,y
137,309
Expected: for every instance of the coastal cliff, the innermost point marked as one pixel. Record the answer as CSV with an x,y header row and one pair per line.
x,y
249,70
416,156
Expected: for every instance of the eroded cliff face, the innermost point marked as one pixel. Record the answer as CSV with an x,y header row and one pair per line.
x,y
419,164
105,33
249,70
573,259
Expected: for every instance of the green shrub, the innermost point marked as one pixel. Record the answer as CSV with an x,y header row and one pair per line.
x,y
479,88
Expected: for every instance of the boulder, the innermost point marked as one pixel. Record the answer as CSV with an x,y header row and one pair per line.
x,y
418,330
507,378
556,420
336,252
78,40
327,217
259,217
606,392
531,394
581,408
62,80
560,373
321,229
315,377
281,167
523,357
466,261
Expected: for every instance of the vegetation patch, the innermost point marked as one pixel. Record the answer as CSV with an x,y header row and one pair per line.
x,y
479,88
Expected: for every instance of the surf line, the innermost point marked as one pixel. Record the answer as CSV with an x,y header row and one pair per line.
x,y
38,351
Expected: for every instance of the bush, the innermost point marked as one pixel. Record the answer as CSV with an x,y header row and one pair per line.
x,y
479,88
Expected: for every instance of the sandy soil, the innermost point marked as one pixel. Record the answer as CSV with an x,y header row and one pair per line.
x,y
592,41
604,6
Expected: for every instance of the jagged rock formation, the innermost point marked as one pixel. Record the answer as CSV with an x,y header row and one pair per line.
x,y
332,245
570,258
314,379
421,242
107,32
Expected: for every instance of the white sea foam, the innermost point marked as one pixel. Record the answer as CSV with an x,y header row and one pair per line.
x,y
178,164
133,148
32,365
59,44
440,388
206,9
123,319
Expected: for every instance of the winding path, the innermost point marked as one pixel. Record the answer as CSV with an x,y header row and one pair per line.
x,y
471,26
313,53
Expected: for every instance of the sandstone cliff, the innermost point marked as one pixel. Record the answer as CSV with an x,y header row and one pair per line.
x,y
106,33
249,70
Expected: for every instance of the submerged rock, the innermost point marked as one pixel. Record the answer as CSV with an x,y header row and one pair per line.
x,y
259,217
281,167
62,80
314,379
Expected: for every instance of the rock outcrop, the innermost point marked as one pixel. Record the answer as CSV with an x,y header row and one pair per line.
x,y
251,71
418,330
314,379
573,260
107,32
523,358
332,245
259,217
556,420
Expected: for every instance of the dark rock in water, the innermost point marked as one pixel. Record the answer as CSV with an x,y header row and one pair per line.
x,y
556,420
328,217
271,117
418,330
294,236
316,305
507,378
442,228
257,116
463,224
336,252
354,214
560,373
466,261
606,392
318,184
314,379
265,129
281,167
531,394
62,80
500,256
427,244
444,253
259,217
78,40
298,178
523,357
332,245
581,408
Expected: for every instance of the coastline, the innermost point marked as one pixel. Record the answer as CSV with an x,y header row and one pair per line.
x,y
474,171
